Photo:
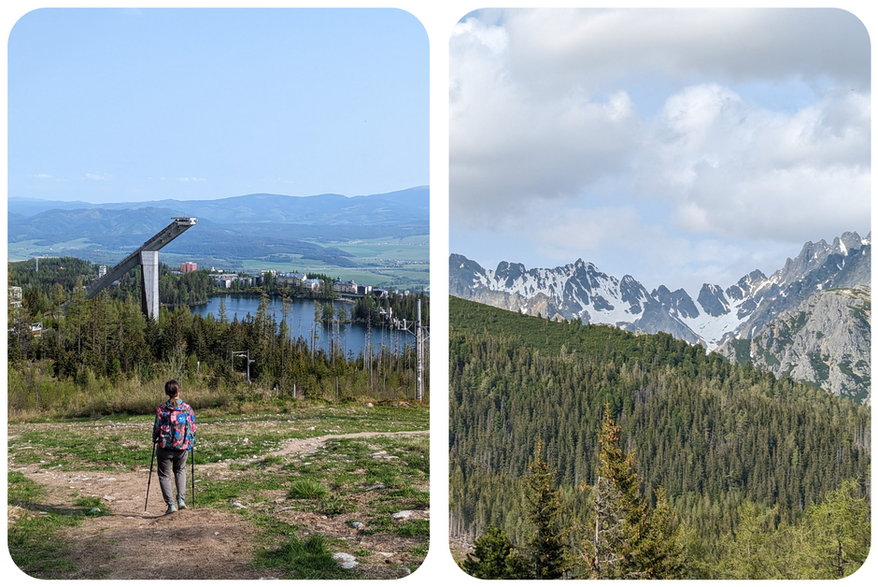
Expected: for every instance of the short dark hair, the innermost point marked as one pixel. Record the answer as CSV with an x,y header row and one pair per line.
x,y
172,388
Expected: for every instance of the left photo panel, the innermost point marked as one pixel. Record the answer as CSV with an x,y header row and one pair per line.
x,y
218,294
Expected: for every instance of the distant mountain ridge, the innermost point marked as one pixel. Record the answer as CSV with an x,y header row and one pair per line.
x,y
717,315
410,206
254,226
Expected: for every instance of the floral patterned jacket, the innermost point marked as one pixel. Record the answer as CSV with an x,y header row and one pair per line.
x,y
174,425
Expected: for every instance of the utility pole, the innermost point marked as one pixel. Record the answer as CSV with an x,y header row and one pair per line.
x,y
420,341
421,336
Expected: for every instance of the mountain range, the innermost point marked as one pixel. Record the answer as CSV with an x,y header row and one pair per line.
x,y
718,316
229,231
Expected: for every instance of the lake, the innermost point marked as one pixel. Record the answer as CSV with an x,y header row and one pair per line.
x,y
300,321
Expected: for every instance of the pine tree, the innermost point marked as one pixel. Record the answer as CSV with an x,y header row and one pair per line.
x,y
547,549
628,539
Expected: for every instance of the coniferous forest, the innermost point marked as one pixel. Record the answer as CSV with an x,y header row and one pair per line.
x,y
644,457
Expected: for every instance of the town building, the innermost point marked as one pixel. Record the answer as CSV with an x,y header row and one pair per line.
x,y
313,284
293,279
225,279
345,287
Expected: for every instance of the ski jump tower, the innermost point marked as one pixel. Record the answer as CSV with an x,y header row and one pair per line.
x,y
147,256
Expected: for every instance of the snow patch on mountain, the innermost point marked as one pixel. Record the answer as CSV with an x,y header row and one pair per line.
x,y
581,291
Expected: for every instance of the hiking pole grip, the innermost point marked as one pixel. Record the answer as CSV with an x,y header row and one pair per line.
x,y
149,479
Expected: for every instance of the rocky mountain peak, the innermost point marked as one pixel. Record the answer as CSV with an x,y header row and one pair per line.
x,y
847,242
713,300
581,291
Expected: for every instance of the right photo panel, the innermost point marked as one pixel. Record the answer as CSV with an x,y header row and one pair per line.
x,y
660,307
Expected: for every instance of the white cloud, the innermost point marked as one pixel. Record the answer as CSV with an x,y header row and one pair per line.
x,y
191,179
96,176
510,148
728,44
547,109
696,142
734,168
575,233
621,240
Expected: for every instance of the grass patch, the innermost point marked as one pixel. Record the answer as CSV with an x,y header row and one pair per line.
x,y
410,498
307,489
270,461
271,525
91,506
215,492
23,489
34,534
82,448
122,442
413,528
307,558
334,505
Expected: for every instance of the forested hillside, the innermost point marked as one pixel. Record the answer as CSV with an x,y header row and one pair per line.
x,y
719,439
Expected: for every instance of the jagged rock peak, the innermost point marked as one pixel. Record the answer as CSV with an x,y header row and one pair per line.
x,y
580,267
847,242
753,277
746,285
713,300
507,267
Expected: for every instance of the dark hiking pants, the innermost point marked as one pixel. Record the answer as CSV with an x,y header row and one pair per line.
x,y
172,473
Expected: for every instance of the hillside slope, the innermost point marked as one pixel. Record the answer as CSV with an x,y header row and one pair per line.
x,y
712,434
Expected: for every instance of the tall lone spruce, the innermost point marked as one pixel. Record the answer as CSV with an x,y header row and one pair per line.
x,y
628,539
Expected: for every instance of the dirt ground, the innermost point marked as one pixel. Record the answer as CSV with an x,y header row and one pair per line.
x,y
196,543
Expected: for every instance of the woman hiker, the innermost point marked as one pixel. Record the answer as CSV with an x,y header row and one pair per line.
x,y
174,436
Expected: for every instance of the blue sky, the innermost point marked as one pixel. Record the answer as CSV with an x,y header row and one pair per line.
x,y
677,146
141,104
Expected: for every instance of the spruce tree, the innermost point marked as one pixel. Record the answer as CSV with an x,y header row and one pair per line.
x,y
547,549
627,539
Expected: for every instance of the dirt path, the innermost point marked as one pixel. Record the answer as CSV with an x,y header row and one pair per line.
x,y
131,543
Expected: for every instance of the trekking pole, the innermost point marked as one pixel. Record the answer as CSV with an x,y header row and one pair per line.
x,y
193,475
149,479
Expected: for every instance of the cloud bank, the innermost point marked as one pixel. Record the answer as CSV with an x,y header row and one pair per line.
x,y
584,130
